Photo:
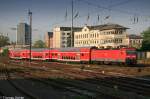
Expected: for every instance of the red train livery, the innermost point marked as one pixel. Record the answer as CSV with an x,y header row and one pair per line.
x,y
81,54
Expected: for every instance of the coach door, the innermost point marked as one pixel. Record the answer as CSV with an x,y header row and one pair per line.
x,y
58,56
78,56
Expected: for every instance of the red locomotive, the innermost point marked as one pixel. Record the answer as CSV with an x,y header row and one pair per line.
x,y
81,54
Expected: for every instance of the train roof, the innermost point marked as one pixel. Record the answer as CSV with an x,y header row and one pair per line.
x,y
33,49
123,48
17,49
74,49
38,49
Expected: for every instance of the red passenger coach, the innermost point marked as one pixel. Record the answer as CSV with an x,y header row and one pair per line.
x,y
37,54
81,54
53,54
25,54
15,54
40,54
19,54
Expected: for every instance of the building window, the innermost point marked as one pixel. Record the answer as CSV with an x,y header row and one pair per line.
x,y
76,36
63,33
97,35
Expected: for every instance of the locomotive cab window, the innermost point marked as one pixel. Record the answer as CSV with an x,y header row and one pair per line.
x,y
130,52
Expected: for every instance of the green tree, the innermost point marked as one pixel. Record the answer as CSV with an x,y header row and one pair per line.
x,y
146,40
39,44
5,52
4,40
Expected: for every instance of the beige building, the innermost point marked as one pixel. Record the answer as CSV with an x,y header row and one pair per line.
x,y
102,36
62,36
49,39
134,41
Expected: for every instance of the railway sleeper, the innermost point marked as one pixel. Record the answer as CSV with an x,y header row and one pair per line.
x,y
104,91
89,95
119,85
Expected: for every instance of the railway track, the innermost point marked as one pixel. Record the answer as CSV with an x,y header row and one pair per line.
x,y
136,85
79,91
122,83
73,86
66,87
118,85
7,77
93,91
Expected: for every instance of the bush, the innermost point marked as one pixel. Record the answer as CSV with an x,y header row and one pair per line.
x,y
5,52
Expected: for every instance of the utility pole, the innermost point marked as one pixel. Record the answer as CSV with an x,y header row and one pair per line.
x,y
30,31
72,25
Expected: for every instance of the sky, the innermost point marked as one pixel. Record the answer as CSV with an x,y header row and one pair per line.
x,y
134,14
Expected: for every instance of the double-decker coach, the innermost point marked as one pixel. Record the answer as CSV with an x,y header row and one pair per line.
x,y
81,54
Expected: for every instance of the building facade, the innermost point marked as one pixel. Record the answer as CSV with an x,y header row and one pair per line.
x,y
134,41
23,34
101,36
62,36
49,39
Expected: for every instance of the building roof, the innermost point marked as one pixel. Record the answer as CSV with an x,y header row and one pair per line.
x,y
133,36
50,34
107,27
69,28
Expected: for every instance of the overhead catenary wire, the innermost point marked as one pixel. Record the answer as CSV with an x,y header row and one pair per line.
x,y
105,8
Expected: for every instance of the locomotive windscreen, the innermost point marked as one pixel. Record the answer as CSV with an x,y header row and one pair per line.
x,y
129,52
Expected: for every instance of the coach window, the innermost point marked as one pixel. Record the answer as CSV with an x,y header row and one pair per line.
x,y
82,54
47,54
52,54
